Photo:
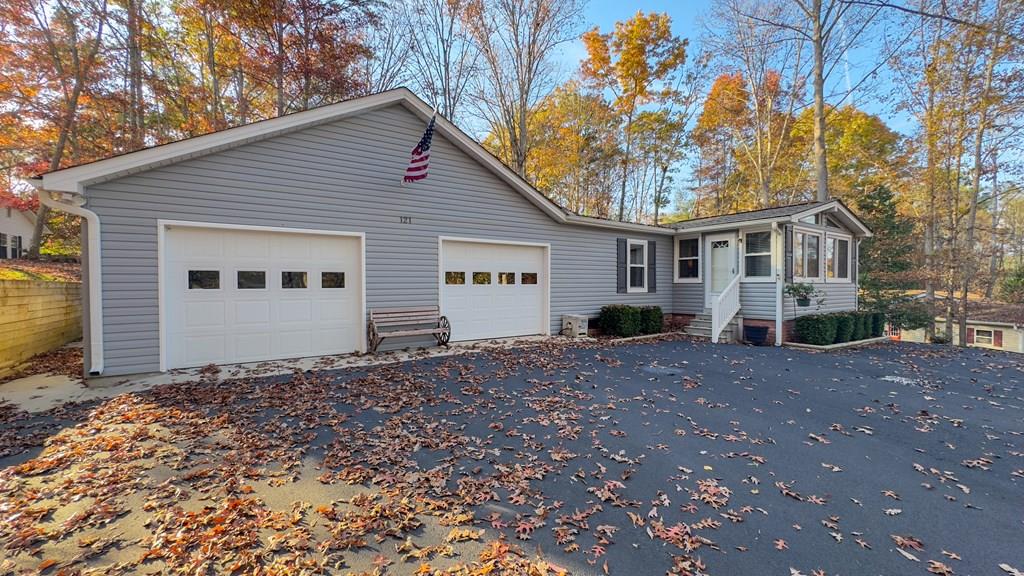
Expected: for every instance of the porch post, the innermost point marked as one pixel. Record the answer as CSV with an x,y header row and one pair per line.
x,y
780,265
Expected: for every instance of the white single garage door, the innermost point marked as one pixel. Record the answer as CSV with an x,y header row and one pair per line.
x,y
248,295
493,290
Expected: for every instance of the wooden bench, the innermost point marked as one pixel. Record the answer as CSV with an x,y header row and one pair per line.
x,y
407,321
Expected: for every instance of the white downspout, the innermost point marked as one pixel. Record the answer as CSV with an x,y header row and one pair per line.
x,y
74,204
780,271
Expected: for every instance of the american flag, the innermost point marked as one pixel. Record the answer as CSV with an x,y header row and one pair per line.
x,y
420,161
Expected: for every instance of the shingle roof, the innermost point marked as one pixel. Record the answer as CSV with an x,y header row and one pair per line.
x,y
762,214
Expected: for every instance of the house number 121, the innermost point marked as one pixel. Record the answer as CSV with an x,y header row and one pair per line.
x,y
405,219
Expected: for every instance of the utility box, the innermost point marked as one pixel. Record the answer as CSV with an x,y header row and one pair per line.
x,y
574,325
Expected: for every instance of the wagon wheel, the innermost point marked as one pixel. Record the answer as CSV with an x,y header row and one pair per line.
x,y
446,335
373,337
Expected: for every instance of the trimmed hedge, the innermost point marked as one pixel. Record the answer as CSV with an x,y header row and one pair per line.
x,y
858,326
844,328
652,320
624,321
817,329
825,329
877,324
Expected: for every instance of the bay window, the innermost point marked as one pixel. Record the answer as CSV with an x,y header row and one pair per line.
x,y
837,258
806,255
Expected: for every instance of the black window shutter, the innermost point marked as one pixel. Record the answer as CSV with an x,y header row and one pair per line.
x,y
620,276
788,230
652,266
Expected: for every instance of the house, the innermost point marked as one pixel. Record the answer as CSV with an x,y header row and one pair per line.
x,y
16,228
992,325
274,239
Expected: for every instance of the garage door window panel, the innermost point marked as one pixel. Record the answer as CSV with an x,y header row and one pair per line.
x,y
251,279
506,278
204,279
294,280
481,278
330,280
455,278
529,278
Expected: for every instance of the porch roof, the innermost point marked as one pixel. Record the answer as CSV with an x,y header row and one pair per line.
x,y
791,212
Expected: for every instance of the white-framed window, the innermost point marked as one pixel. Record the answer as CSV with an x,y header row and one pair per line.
x,y
982,336
807,255
636,265
837,258
688,259
3,247
249,279
757,255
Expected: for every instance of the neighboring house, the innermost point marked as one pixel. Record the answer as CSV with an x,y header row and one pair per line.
x,y
273,240
16,227
993,325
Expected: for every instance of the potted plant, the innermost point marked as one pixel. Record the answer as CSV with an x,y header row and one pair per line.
x,y
801,292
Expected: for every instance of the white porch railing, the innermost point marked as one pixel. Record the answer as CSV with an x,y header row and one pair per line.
x,y
724,307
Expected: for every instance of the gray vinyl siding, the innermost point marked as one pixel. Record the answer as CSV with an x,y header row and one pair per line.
x,y
838,297
343,176
688,298
757,300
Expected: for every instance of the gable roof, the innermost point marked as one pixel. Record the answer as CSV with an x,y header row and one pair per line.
x,y
788,213
76,179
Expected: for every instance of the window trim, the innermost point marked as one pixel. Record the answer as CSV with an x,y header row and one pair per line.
x,y
822,262
630,242
770,253
676,259
849,258
991,336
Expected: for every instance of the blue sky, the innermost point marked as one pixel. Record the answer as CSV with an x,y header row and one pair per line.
x,y
687,21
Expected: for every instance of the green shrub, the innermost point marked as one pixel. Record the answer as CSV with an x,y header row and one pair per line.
x,y
844,327
877,324
619,320
817,329
651,320
858,326
865,318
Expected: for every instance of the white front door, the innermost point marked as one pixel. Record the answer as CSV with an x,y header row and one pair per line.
x,y
493,290
721,251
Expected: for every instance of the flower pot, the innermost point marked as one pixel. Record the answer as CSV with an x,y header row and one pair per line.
x,y
803,302
756,335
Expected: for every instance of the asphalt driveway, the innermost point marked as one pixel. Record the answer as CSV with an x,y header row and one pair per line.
x,y
666,457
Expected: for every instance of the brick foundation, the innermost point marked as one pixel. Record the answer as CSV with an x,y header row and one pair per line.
x,y
787,328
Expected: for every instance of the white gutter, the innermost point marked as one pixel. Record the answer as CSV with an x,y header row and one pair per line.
x,y
74,204
780,272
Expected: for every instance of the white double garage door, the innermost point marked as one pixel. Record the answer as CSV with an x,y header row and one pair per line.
x,y
231,295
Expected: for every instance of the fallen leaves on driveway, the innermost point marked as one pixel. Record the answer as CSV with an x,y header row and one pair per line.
x,y
546,460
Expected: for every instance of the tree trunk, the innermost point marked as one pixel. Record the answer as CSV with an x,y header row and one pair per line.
x,y
625,165
820,158
979,136
136,102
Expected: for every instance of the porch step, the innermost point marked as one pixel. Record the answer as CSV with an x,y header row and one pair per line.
x,y
700,327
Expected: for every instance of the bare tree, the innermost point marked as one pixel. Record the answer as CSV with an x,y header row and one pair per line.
x,y
516,39
442,58
385,66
